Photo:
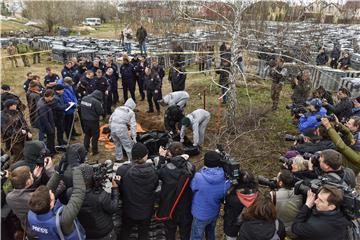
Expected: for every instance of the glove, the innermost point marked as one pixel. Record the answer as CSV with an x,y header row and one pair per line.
x,y
181,140
134,140
62,166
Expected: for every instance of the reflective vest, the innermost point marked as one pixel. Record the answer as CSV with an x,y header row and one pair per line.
x,y
47,226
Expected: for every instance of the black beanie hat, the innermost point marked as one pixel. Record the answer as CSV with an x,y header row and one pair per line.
x,y
5,87
138,151
212,159
58,87
10,102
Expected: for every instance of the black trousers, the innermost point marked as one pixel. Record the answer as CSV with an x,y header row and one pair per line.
x,y
109,103
114,95
152,97
127,225
50,141
184,224
334,63
91,131
140,82
127,88
67,125
60,128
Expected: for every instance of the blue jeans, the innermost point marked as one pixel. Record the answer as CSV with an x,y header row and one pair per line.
x,y
128,47
142,47
199,228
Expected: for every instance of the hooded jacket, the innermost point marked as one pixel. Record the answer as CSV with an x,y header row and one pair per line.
x,y
176,194
123,116
209,187
137,187
313,225
196,118
91,107
179,98
310,120
32,153
75,155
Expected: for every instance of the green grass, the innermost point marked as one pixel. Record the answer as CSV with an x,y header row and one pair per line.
x,y
7,26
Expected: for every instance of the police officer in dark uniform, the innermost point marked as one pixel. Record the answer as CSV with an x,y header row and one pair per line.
x,y
91,110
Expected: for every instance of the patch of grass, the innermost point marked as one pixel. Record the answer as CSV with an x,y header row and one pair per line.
x,y
7,26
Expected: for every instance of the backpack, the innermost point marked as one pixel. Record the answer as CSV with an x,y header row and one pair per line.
x,y
353,230
80,232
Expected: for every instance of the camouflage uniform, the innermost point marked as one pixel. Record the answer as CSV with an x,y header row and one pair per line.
x,y
11,50
278,76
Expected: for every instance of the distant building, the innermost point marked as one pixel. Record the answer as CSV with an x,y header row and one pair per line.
x,y
323,11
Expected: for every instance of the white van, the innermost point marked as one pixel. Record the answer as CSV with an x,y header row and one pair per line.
x,y
92,21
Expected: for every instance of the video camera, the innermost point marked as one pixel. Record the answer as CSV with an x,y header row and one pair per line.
x,y
102,172
296,110
271,183
351,200
231,167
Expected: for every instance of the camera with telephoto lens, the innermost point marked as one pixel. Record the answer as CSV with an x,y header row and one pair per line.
x,y
314,158
351,199
292,138
4,159
286,162
271,183
296,110
102,172
231,167
330,117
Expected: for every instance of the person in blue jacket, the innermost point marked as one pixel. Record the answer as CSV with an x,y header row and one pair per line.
x,y
209,187
310,119
69,99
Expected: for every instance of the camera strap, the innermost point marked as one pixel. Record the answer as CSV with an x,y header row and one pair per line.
x,y
273,196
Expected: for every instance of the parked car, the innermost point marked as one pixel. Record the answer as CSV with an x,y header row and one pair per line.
x,y
92,21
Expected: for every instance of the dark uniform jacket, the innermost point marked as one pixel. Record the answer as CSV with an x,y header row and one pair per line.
x,y
152,82
127,72
91,107
343,109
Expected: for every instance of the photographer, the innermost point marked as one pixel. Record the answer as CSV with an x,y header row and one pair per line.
x,y
138,183
95,214
309,120
343,109
301,86
209,186
43,217
22,181
286,202
312,141
176,194
326,221
240,197
330,162
356,107
350,150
